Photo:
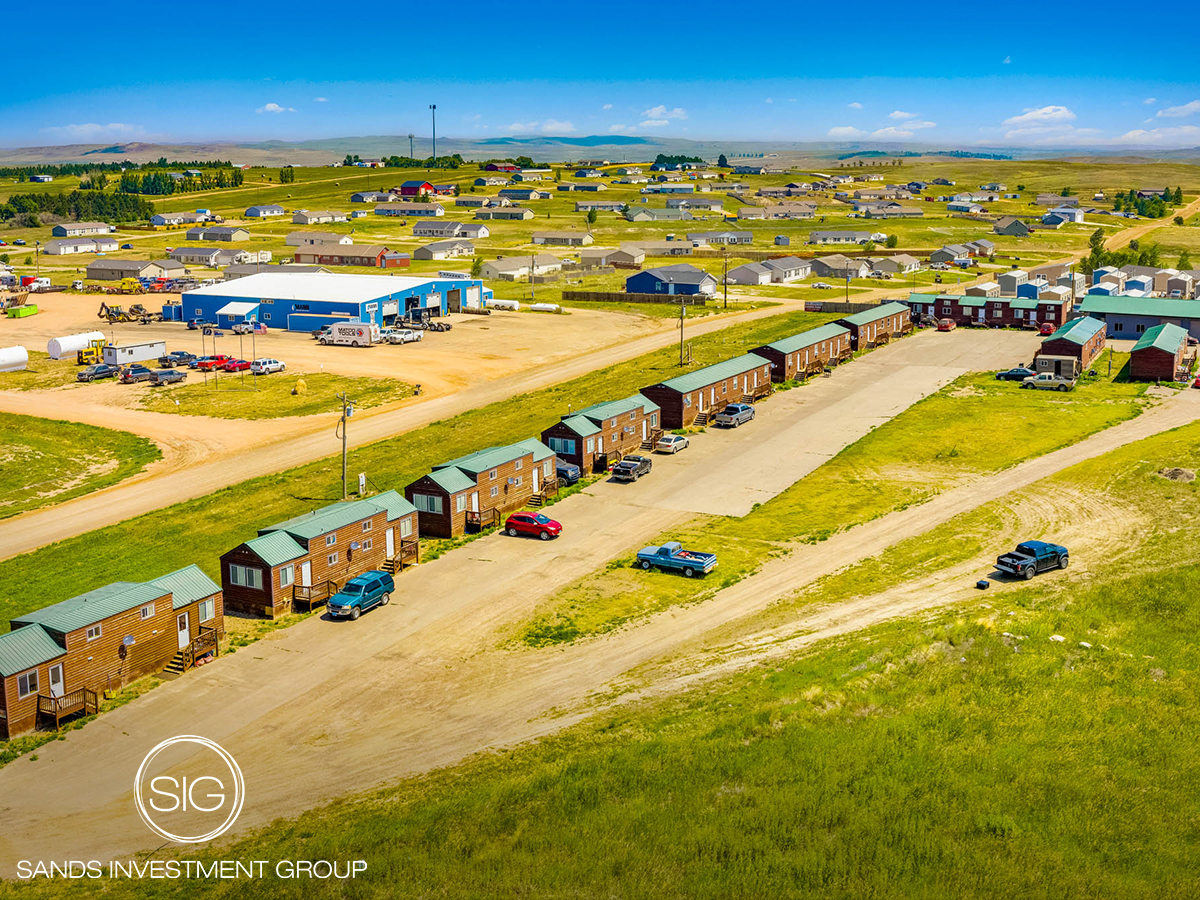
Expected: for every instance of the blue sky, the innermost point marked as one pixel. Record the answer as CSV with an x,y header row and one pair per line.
x,y
1027,74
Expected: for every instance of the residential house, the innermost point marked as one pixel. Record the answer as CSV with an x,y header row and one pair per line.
x,y
660,248
217,233
599,205
563,238
878,325
1011,226
506,213
984,289
679,278
695,395
1009,281
712,204
514,268
448,249
66,246
370,197
415,188
434,229
598,436
900,264
840,266
839,237
950,253
317,216
1161,354
700,238
81,229
114,269
525,194
306,238
265,211
410,209
806,353
648,214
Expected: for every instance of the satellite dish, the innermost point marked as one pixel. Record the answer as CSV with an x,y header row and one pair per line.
x,y
128,640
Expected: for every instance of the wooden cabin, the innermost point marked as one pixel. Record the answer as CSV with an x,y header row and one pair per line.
x,y
302,562
477,490
60,660
690,399
1002,312
806,353
1160,354
595,437
879,325
1082,339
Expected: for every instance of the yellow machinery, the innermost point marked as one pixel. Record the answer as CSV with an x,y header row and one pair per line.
x,y
91,354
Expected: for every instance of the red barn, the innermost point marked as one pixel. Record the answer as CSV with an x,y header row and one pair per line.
x,y
415,188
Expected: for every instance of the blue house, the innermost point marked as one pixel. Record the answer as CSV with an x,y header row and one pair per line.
x,y
680,278
296,301
1033,288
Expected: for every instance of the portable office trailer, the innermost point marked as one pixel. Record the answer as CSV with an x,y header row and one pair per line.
x,y
705,391
807,352
124,354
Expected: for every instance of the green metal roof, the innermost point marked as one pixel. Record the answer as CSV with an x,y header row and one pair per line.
x,y
1166,337
870,315
94,606
581,426
540,451
808,338
482,460
718,372
187,586
327,519
1025,303
916,297
1078,331
615,408
1141,306
452,480
275,548
394,503
25,648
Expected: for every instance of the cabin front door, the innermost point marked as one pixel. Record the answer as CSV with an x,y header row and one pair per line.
x,y
306,574
56,680
185,635
535,478
474,501
390,538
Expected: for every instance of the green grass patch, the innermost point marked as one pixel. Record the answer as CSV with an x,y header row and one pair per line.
x,y
45,461
42,373
230,396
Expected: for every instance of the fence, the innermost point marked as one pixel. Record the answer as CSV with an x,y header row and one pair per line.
x,y
840,307
622,297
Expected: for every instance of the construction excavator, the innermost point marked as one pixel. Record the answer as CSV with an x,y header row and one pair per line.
x,y
143,315
113,313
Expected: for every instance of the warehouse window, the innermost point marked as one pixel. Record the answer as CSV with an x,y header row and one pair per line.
x,y
267,317
208,609
27,683
331,559
245,576
94,632
1139,328
287,575
331,539
428,503
405,528
147,611
1118,326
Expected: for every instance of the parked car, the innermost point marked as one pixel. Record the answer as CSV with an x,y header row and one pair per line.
x,y
1047,328
360,593
208,363
100,370
672,557
671,443
1032,557
401,335
822,286
235,365
19,242
947,325
568,473
631,468
1048,381
168,376
1018,373
127,246
266,366
134,374
532,523
176,358
733,415
243,328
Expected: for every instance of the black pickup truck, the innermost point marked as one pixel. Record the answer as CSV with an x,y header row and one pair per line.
x,y
1032,557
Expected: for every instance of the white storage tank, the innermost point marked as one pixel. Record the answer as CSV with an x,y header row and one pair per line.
x,y
544,307
69,345
504,304
13,359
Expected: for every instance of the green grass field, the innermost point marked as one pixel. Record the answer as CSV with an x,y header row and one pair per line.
x,y
42,373
972,427
230,396
44,461
960,754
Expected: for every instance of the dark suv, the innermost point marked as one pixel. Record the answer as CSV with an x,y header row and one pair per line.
x,y
134,374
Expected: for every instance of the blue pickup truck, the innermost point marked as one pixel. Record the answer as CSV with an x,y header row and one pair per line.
x,y
671,556
1032,557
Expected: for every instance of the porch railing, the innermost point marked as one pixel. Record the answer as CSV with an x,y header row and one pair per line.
x,y
311,595
80,700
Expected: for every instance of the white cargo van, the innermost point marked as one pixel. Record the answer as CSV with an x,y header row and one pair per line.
x,y
352,334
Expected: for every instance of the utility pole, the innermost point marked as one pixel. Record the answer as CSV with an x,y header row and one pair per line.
x,y
433,113
681,312
725,271
347,412
532,272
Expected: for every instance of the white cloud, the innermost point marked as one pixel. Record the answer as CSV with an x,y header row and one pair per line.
x,y
905,130
854,105
607,106
557,126
522,127
1040,116
769,100
845,131
1007,61
320,99
91,131
901,114
619,129
653,123
1182,135
274,108
1150,101
791,99
661,112
1178,112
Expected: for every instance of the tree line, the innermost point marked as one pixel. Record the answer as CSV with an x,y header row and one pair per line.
x,y
162,184
1152,207
22,173
80,206
1136,254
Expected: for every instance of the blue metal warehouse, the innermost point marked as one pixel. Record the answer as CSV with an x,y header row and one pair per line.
x,y
306,301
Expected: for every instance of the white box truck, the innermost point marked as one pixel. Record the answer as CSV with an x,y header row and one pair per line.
x,y
352,334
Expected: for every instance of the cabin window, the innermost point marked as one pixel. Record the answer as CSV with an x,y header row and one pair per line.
x,y
287,575
546,468
147,611
331,539
518,481
653,420
632,416
94,632
460,502
367,525
27,683
495,490
245,576
996,314
492,475
208,609
428,503
562,446
724,385
331,559
945,310
591,445
368,544
517,465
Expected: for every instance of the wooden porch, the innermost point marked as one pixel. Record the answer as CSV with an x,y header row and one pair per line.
x,y
80,701
758,392
652,438
408,554
206,641
549,489
482,518
312,595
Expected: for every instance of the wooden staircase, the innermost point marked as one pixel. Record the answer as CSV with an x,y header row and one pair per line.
x,y
649,442
178,664
701,420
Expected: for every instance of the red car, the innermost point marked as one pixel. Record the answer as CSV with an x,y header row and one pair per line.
x,y
213,362
235,365
534,524
1047,328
